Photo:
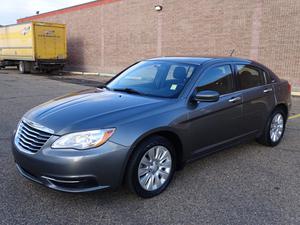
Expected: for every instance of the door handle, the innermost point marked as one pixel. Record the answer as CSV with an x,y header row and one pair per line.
x,y
234,99
268,90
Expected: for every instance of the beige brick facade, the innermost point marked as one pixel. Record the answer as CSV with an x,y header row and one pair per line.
x,y
108,37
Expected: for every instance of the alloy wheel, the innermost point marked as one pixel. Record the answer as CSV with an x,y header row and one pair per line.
x,y
276,128
154,168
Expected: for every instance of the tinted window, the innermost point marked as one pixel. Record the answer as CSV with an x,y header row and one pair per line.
x,y
217,79
249,76
155,78
267,76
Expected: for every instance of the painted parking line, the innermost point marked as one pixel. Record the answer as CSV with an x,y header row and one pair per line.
x,y
294,116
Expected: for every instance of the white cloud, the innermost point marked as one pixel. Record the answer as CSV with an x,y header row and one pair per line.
x,y
12,10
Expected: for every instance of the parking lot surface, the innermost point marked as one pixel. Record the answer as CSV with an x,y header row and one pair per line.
x,y
247,184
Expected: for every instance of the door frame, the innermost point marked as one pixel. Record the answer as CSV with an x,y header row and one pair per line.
x,y
196,153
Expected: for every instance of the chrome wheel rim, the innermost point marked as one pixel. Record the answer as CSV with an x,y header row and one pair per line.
x,y
276,128
154,168
21,67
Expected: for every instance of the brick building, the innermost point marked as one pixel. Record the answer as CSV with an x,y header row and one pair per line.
x,y
106,35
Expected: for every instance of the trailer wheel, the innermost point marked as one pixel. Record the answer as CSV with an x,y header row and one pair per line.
x,y
24,67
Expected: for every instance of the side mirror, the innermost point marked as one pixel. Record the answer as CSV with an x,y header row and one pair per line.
x,y
207,96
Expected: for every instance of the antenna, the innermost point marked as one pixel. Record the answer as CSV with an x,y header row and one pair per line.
x,y
232,51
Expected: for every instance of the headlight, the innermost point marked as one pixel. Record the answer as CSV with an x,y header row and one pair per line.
x,y
84,140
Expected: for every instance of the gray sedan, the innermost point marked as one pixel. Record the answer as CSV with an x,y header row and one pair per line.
x,y
149,120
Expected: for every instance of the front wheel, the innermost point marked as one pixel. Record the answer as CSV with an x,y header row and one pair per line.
x,y
151,167
274,129
24,67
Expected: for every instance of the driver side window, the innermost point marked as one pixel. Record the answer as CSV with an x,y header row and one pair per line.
x,y
218,79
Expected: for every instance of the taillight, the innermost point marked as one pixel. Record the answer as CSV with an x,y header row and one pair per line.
x,y
289,87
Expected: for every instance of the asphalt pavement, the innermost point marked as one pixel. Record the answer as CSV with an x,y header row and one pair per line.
x,y
247,184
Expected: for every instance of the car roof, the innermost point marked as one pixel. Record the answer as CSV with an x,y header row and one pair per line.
x,y
199,60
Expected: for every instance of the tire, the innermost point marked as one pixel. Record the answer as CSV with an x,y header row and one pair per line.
x,y
267,138
24,67
156,176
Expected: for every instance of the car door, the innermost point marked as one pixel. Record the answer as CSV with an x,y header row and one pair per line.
x,y
214,123
258,96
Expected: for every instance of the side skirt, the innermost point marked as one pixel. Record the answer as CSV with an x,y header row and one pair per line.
x,y
222,145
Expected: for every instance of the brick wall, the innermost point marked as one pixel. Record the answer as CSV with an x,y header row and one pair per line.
x,y
108,37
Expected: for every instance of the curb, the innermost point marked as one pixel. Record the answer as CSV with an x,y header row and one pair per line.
x,y
88,73
296,93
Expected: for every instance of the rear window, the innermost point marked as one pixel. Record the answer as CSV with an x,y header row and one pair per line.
x,y
249,76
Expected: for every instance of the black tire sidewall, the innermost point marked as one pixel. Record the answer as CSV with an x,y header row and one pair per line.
x,y
138,154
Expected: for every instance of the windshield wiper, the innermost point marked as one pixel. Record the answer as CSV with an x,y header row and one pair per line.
x,y
128,90
103,86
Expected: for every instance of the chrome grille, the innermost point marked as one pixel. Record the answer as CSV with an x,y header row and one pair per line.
x,y
31,137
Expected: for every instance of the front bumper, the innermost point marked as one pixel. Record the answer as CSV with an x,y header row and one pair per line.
x,y
71,170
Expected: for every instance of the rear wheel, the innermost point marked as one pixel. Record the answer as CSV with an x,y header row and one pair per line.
x,y
274,129
151,167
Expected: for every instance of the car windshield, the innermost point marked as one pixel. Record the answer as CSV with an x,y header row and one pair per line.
x,y
154,78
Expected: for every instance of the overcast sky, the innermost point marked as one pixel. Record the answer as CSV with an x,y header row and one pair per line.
x,y
11,10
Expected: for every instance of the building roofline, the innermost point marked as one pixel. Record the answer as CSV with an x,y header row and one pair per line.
x,y
66,10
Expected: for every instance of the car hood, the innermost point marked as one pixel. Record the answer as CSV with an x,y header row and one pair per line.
x,y
91,109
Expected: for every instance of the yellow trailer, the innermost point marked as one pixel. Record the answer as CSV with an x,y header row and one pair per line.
x,y
33,46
